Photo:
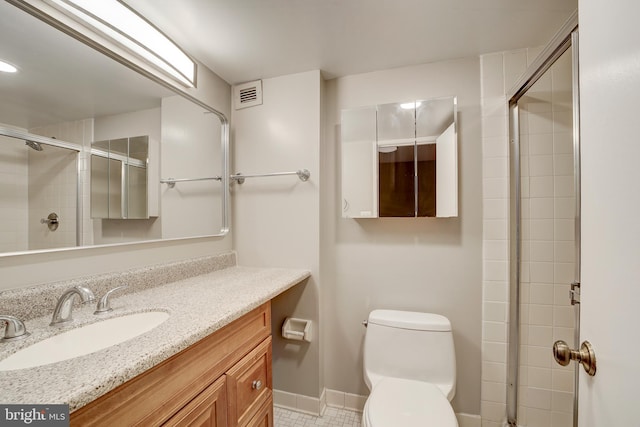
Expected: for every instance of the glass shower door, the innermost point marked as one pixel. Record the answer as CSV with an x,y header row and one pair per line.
x,y
547,243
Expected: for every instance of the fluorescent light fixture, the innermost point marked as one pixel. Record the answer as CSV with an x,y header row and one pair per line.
x,y
123,25
5,67
410,105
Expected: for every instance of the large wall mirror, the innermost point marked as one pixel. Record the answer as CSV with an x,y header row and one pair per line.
x,y
400,160
56,113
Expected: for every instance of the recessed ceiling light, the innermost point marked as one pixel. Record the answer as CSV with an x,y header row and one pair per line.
x,y
5,67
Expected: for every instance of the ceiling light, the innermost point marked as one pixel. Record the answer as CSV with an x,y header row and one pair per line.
x,y
5,67
387,149
410,105
124,26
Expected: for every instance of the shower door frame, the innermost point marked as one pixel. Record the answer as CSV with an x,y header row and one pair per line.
x,y
565,38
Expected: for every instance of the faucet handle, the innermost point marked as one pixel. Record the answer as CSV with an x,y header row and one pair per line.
x,y
15,329
104,305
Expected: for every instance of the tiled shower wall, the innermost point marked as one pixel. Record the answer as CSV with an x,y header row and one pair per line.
x,y
548,247
499,72
62,190
545,392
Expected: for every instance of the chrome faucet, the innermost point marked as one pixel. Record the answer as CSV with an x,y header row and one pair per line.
x,y
104,305
15,329
62,312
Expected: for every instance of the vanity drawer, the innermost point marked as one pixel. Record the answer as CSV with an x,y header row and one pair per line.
x,y
249,385
264,417
209,408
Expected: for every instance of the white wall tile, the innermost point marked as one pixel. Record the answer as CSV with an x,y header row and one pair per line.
x,y
542,229
515,64
494,392
495,146
541,315
540,293
495,229
494,371
494,352
540,144
542,208
495,250
494,126
495,208
494,331
495,188
539,377
495,311
492,75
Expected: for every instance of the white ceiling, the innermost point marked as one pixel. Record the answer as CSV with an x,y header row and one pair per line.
x,y
243,40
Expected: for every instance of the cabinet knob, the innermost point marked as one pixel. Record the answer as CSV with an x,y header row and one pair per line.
x,y
256,385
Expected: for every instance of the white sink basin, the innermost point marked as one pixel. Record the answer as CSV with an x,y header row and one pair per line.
x,y
81,341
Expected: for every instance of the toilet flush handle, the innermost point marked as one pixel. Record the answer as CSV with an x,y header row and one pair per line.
x,y
365,323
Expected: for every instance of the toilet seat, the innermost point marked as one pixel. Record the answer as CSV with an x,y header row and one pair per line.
x,y
407,403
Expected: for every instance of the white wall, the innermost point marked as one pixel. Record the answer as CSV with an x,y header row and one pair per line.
x,y
33,269
422,264
276,220
190,149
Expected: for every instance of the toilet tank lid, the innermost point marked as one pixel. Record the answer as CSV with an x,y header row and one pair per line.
x,y
410,320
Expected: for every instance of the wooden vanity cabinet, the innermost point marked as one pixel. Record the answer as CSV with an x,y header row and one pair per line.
x,y
223,380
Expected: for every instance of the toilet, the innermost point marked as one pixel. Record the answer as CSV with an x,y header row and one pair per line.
x,y
410,368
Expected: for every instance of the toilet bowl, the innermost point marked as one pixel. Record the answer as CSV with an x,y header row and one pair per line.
x,y
407,403
409,365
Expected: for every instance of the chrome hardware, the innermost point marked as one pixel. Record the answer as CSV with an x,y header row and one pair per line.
x,y
64,307
14,330
171,182
256,385
586,356
52,221
303,174
104,305
365,323
574,293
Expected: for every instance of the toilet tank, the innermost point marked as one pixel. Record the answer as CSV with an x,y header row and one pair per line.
x,y
410,345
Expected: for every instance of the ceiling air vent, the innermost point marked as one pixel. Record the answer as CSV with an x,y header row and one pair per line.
x,y
248,94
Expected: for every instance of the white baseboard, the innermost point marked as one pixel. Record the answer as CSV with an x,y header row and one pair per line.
x,y
342,400
299,402
468,420
338,399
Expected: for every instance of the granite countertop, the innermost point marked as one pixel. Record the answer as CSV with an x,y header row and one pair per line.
x,y
198,306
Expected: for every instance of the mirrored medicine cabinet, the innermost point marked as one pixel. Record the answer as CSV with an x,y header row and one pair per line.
x,y
119,187
400,160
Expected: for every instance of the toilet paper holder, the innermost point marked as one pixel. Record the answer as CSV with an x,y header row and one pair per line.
x,y
297,329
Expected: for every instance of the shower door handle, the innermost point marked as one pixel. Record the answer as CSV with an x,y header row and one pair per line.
x,y
586,356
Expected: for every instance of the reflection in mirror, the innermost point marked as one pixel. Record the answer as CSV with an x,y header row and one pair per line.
x,y
67,95
400,160
119,178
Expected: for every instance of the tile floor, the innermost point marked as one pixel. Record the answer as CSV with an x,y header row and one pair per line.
x,y
332,417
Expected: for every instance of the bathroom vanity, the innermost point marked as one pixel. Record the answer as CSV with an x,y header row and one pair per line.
x,y
222,380
209,363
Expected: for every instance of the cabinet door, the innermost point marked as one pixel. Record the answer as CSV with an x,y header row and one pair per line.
x,y
264,417
208,409
249,384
